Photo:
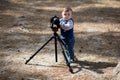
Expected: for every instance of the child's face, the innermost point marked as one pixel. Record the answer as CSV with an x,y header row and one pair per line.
x,y
67,15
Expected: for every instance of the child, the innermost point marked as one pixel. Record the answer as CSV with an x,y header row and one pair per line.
x,y
67,32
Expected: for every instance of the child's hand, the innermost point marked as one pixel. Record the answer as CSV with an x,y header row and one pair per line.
x,y
62,23
66,26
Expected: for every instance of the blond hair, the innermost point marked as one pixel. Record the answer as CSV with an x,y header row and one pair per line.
x,y
67,9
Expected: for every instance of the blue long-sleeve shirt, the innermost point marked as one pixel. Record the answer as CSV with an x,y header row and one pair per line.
x,y
67,31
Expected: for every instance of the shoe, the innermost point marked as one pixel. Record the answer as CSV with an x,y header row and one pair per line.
x,y
71,60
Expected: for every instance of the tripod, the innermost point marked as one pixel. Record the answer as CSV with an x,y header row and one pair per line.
x,y
62,45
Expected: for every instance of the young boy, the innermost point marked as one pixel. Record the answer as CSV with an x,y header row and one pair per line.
x,y
67,31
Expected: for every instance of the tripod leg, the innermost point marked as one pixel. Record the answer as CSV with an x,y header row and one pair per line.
x,y
64,48
56,49
67,59
38,50
65,54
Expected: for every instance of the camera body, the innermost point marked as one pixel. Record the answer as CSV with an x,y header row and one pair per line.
x,y
54,23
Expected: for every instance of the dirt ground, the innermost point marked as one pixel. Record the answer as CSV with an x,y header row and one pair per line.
x,y
25,27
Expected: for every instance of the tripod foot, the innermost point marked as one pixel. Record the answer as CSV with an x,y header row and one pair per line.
x,y
70,69
26,62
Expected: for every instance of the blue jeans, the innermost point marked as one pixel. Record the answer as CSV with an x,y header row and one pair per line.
x,y
70,46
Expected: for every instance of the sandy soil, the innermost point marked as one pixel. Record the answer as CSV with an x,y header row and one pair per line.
x,y
25,27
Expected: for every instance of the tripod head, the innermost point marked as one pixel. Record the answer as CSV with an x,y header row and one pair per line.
x,y
54,23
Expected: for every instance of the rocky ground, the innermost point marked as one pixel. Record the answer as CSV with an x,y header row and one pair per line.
x,y
25,27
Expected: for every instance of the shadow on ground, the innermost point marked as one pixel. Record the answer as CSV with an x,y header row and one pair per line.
x,y
92,66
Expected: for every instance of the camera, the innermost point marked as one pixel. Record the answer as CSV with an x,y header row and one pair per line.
x,y
54,23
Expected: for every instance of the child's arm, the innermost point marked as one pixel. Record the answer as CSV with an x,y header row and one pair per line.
x,y
67,26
